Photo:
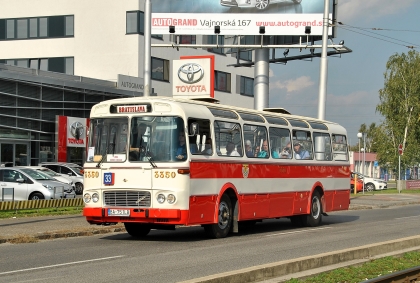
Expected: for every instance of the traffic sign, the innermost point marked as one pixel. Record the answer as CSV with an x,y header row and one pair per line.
x,y
400,149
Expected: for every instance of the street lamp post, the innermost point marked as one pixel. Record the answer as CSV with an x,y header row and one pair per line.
x,y
362,135
359,135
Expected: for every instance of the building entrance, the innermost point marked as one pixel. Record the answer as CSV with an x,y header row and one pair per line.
x,y
14,153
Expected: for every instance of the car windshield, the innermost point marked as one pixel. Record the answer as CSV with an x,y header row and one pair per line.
x,y
49,172
37,175
77,169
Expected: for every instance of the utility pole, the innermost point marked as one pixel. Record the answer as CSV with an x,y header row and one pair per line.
x,y
323,70
147,72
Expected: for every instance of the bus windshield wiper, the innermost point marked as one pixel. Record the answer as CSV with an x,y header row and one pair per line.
x,y
150,159
106,152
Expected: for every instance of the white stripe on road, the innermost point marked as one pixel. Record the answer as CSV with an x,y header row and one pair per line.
x,y
295,232
415,216
61,264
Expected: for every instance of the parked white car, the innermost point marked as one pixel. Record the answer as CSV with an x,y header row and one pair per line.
x,y
58,177
28,184
259,4
372,184
72,170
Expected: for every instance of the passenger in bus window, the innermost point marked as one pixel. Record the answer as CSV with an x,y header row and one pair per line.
x,y
256,151
300,153
264,151
230,149
207,147
181,151
239,149
248,149
286,152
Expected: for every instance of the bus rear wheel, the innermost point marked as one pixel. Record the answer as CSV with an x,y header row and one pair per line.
x,y
314,217
224,220
137,230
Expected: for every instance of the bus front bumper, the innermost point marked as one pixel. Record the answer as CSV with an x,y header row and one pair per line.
x,y
100,215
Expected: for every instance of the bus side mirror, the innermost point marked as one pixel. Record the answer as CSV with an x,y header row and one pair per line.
x,y
194,128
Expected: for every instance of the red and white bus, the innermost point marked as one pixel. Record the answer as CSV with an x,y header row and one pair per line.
x,y
236,165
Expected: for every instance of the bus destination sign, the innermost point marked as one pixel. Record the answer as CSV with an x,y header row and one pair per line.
x,y
132,109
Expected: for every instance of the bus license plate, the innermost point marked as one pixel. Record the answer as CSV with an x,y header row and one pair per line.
x,y
118,212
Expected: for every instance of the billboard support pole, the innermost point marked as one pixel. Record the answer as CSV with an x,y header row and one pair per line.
x,y
261,76
323,70
147,47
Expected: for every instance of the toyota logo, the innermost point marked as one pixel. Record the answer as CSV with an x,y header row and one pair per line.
x,y
190,73
77,130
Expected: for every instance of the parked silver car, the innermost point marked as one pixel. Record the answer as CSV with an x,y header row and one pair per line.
x,y
72,170
28,184
58,177
259,4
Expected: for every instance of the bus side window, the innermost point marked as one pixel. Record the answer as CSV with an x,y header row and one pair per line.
x,y
228,136
278,142
340,148
322,145
201,142
256,136
302,144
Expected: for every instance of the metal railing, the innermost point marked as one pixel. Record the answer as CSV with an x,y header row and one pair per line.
x,y
11,204
42,203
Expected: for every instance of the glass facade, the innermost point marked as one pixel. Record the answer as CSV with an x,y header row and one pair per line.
x,y
28,114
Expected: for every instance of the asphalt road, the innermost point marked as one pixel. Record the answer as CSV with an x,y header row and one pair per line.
x,y
173,256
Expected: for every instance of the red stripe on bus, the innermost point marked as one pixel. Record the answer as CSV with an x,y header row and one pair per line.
x,y
208,170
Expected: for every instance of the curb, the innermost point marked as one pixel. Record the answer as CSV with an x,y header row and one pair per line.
x,y
278,269
24,238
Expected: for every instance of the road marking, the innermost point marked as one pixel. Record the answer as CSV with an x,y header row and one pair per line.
x,y
295,232
61,264
415,216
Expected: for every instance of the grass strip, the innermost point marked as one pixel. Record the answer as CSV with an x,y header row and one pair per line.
x,y
369,270
41,212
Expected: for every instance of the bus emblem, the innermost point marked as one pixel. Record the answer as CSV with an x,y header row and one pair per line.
x,y
140,199
245,170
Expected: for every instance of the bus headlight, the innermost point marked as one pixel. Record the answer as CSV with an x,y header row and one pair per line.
x,y
95,197
171,199
87,197
161,198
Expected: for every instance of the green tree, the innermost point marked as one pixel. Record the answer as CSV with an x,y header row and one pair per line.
x,y
400,106
369,137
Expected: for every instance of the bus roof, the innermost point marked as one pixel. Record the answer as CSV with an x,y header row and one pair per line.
x,y
180,102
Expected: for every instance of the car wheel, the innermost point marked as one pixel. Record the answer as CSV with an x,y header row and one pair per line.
x,y
137,230
36,196
370,187
224,220
262,4
79,188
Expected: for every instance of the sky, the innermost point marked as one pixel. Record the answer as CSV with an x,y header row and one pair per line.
x,y
355,78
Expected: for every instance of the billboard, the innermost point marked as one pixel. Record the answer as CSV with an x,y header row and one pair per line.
x,y
238,17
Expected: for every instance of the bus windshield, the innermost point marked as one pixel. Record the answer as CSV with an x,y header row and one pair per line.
x,y
143,139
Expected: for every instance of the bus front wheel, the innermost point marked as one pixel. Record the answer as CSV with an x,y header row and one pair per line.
x,y
224,220
137,230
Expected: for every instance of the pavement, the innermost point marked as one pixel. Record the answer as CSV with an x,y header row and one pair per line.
x,y
32,229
